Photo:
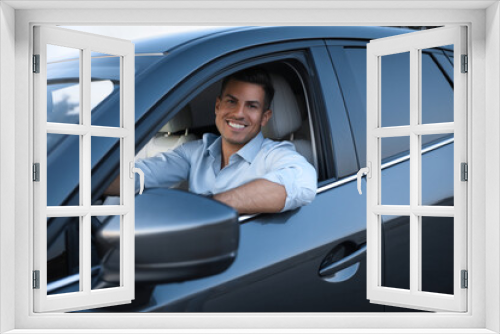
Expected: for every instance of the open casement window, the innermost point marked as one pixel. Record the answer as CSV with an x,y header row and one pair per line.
x,y
397,187
63,116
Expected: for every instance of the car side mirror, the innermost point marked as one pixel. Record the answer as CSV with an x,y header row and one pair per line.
x,y
178,236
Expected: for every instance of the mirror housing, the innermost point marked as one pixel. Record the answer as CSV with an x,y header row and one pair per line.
x,y
178,236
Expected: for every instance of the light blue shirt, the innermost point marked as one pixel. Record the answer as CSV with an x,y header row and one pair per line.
x,y
200,163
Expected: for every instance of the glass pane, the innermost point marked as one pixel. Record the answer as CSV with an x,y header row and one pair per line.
x,y
105,90
105,150
437,254
63,85
395,89
437,170
63,255
109,253
63,170
437,86
396,252
450,57
395,181
445,60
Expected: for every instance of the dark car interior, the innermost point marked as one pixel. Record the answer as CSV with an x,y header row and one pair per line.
x,y
290,120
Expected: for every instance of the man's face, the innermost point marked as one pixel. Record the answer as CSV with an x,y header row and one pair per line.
x,y
239,113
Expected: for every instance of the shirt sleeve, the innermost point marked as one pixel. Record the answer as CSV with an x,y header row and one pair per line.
x,y
290,169
165,169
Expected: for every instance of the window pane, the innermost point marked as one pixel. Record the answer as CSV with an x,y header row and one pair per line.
x,y
63,170
63,85
437,254
437,171
450,57
395,89
63,255
396,252
437,87
395,181
105,150
445,60
105,90
109,253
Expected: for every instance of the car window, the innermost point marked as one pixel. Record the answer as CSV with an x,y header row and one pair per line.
x,y
437,87
201,118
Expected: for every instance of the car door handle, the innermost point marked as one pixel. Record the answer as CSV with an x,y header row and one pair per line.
x,y
346,262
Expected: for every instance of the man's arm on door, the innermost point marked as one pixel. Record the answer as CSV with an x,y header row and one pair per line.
x,y
258,196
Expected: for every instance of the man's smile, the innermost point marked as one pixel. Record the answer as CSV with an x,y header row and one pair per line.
x,y
236,126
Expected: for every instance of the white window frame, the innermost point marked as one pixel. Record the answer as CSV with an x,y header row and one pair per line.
x,y
413,44
484,310
85,298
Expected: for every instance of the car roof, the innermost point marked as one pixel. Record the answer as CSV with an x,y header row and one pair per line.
x,y
200,45
259,35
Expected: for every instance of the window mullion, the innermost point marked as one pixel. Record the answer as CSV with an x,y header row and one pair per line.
x,y
85,167
415,175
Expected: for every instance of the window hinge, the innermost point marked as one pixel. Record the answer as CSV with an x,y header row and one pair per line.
x,y
36,63
465,279
36,172
464,171
465,63
36,279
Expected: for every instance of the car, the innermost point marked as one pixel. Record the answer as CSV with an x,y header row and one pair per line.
x,y
193,254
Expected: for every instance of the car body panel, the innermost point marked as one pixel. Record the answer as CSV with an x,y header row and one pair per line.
x,y
270,247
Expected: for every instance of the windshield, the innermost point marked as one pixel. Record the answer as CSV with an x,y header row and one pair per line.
x,y
63,102
63,99
63,90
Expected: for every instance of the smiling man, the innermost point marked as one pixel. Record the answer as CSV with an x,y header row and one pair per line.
x,y
240,167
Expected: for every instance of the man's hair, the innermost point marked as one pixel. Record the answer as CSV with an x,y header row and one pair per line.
x,y
254,75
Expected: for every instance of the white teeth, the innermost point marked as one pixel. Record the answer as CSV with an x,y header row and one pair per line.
x,y
236,126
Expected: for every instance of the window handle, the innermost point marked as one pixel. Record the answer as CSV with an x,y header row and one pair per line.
x,y
366,170
133,170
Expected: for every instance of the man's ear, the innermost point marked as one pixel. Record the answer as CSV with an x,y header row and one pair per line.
x,y
217,104
266,117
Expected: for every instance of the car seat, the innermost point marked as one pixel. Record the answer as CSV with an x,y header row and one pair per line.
x,y
171,135
287,118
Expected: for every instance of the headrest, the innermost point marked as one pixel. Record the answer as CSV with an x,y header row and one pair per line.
x,y
286,117
181,121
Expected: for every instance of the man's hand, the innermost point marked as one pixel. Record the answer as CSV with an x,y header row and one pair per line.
x,y
259,196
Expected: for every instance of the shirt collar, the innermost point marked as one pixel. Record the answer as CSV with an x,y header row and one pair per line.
x,y
214,149
247,152
252,148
